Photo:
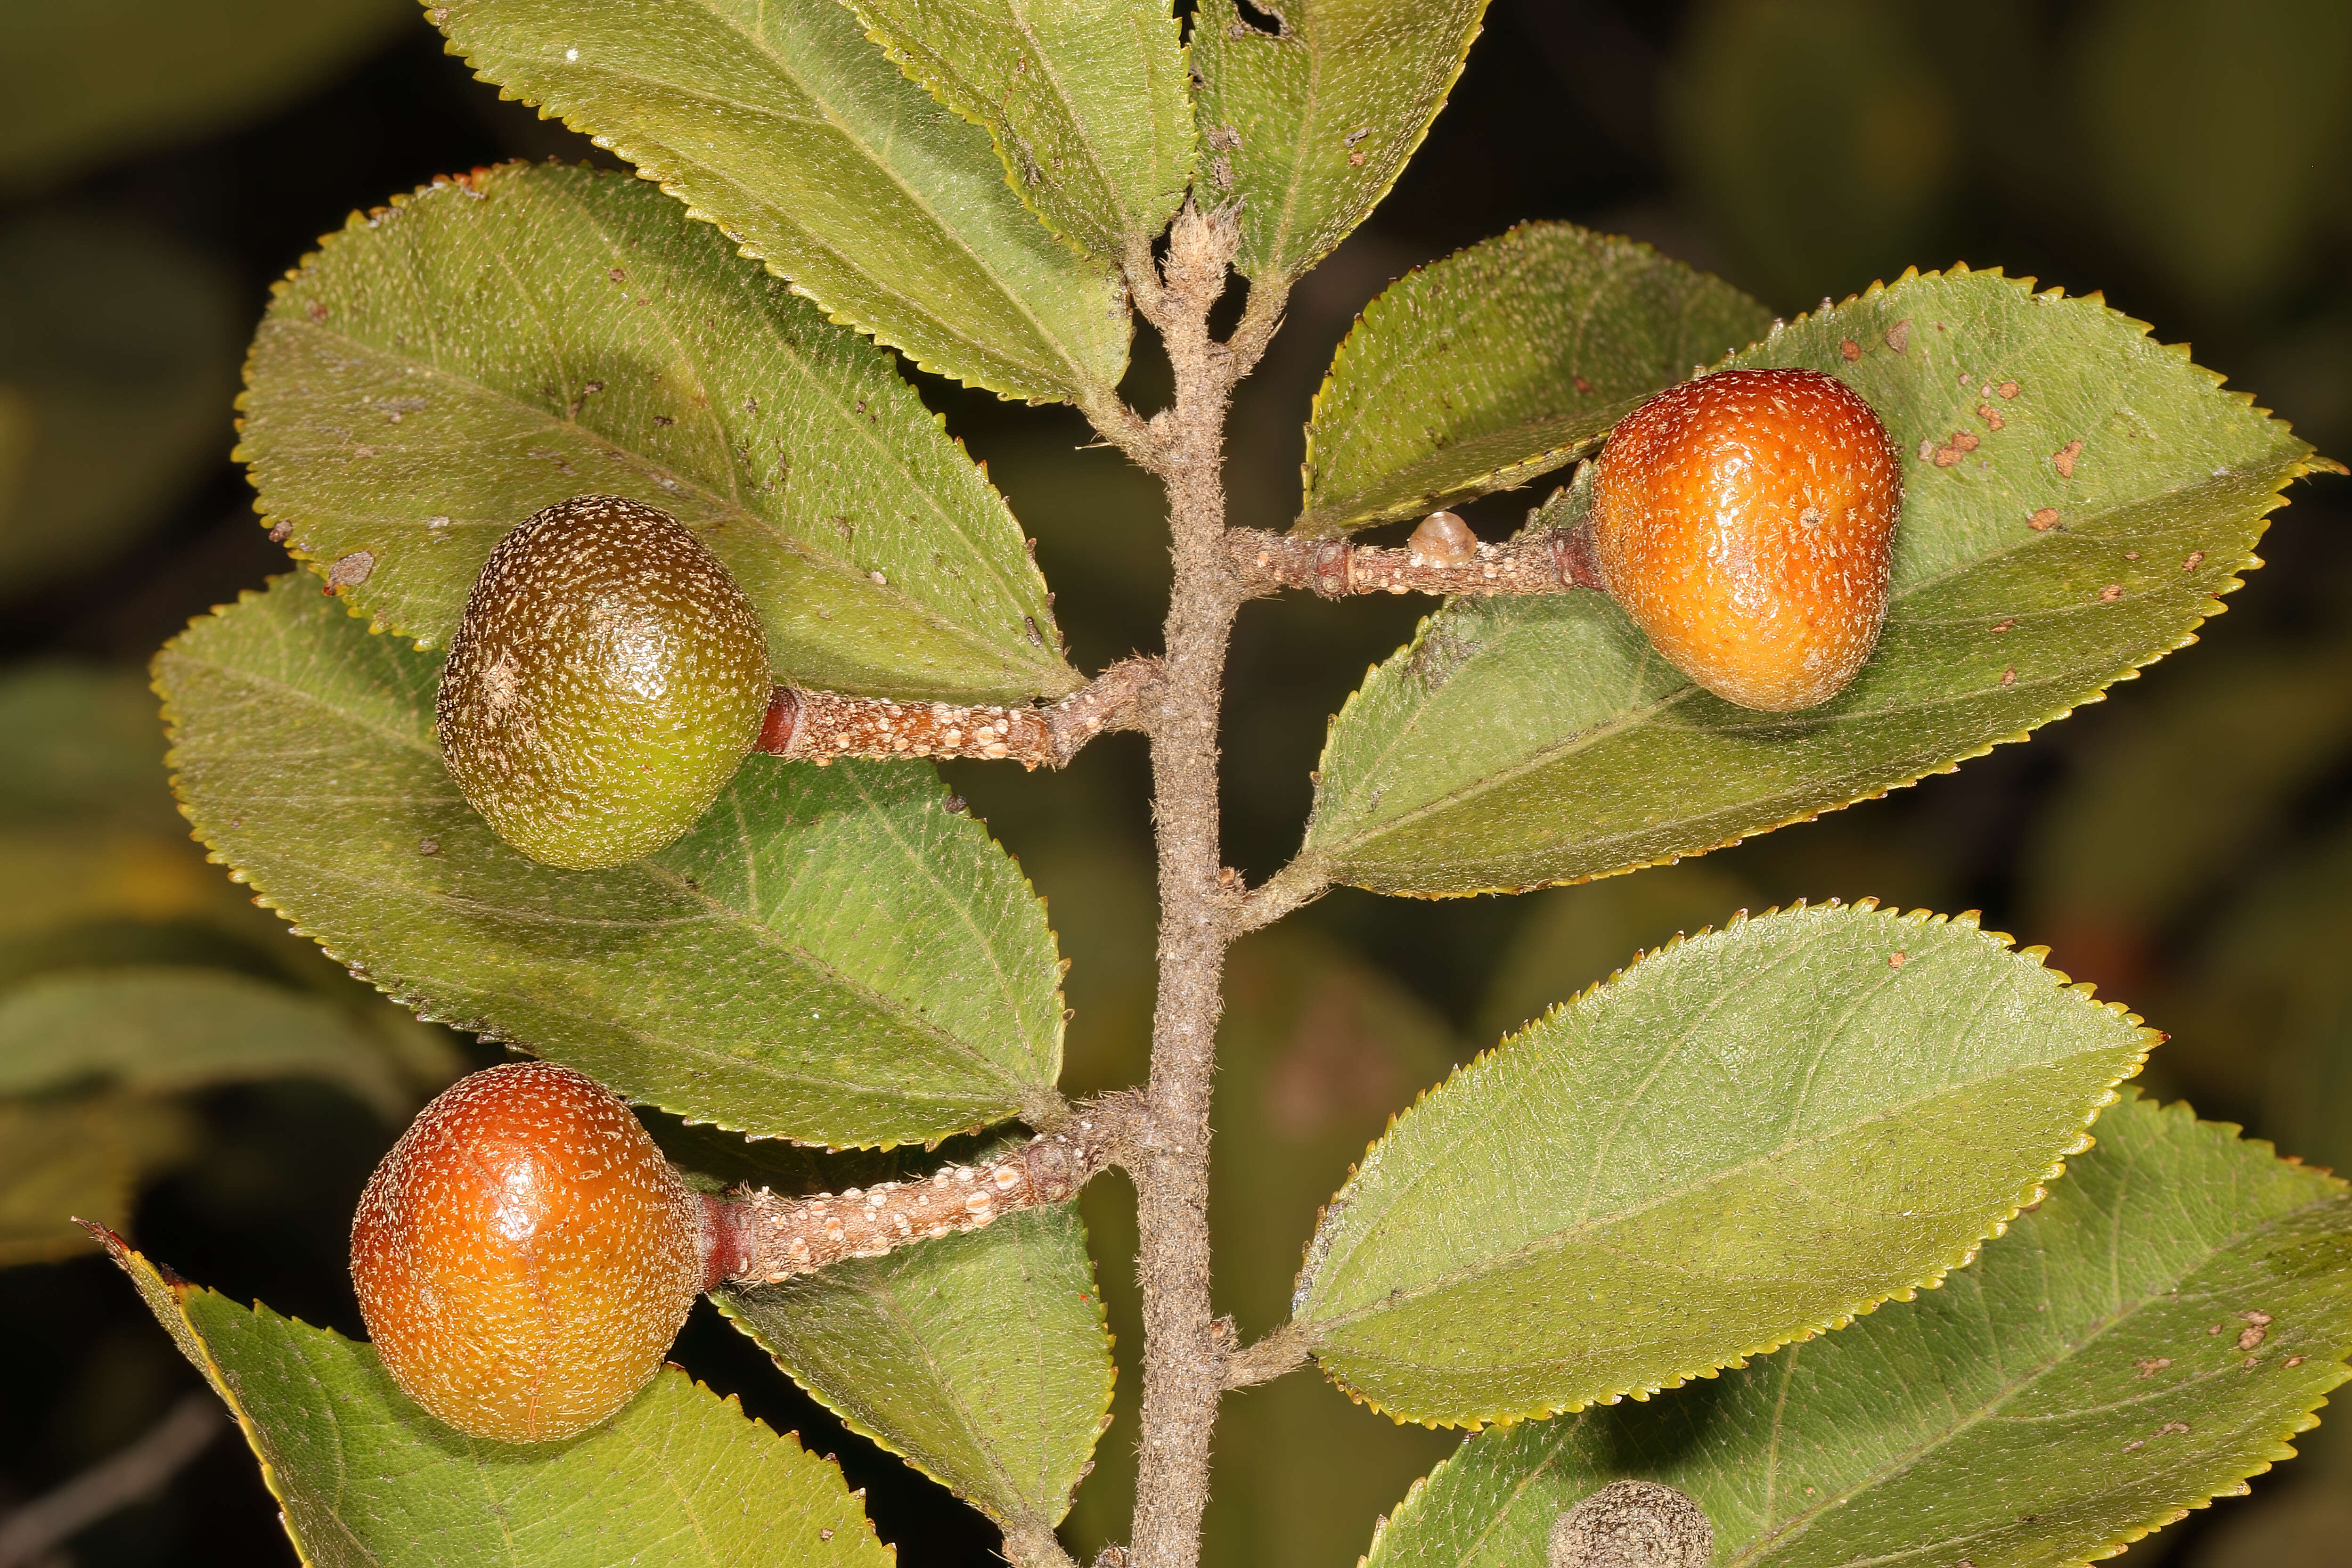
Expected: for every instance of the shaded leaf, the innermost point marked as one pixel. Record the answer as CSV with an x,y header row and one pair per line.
x,y
161,1029
365,1475
103,78
610,346
64,1158
83,744
1087,104
1501,363
785,127
1524,742
981,1358
2084,1384
831,956
1739,1142
117,353
1309,127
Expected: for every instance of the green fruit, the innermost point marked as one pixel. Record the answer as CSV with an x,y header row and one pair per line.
x,y
606,682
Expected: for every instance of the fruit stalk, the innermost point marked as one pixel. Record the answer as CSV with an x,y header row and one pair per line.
x,y
810,725
1552,561
762,1239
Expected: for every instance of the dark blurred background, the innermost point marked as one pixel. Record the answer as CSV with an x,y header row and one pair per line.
x,y
2183,846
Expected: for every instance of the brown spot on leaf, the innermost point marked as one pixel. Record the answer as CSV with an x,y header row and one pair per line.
x,y
2045,520
1898,336
2110,593
351,571
317,313
2196,559
618,275
2173,1430
2008,676
2150,1365
2004,626
2008,389
1851,350
1584,386
1898,959
1990,416
2064,458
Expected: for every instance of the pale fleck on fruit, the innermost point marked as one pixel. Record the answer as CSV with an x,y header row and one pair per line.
x,y
608,678
525,1255
1633,1525
1442,540
1746,521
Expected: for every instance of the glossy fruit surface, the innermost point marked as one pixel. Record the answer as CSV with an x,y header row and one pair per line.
x,y
525,1255
606,682
1746,521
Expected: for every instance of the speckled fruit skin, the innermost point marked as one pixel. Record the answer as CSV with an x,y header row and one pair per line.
x,y
606,682
525,1255
1746,521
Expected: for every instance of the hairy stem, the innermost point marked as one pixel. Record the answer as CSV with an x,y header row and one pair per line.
x,y
1184,1349
1554,561
820,726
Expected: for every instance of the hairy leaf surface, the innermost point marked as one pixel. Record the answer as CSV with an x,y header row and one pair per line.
x,y
1740,1140
1502,363
830,956
364,1476
779,121
2075,496
2153,1334
982,1357
1087,104
448,366
1309,127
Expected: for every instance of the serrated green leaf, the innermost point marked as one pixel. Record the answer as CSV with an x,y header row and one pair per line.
x,y
1740,1140
63,1158
366,1478
831,956
1308,127
783,125
981,1358
102,78
2083,1384
1087,104
117,351
161,1029
448,366
1524,742
1502,363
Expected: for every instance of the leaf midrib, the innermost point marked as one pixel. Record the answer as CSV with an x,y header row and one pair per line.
x,y
1569,1235
1987,1409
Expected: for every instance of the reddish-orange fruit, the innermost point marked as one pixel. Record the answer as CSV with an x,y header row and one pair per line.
x,y
525,1255
1746,521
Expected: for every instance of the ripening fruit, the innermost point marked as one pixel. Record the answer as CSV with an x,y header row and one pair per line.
x,y
606,682
1633,1525
1746,521
525,1255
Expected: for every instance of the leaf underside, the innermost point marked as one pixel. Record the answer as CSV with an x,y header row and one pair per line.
x,y
2093,1375
1501,363
1740,1140
1520,742
981,1358
446,366
366,1478
831,956
1309,129
1088,105
786,126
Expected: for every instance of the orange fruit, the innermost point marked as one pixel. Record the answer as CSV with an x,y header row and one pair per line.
x,y
1746,521
525,1255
